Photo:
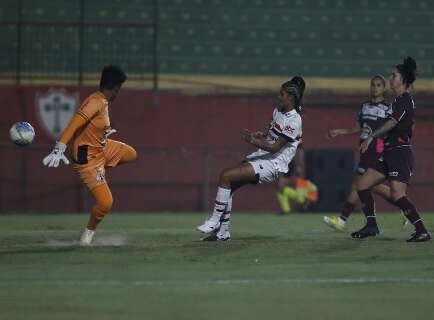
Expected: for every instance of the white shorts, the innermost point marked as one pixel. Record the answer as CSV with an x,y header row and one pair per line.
x,y
265,170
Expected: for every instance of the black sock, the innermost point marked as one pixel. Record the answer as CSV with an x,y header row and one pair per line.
x,y
347,209
368,206
411,213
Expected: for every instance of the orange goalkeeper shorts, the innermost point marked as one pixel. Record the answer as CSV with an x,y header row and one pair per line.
x,y
93,173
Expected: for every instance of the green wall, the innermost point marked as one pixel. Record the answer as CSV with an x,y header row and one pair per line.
x,y
325,38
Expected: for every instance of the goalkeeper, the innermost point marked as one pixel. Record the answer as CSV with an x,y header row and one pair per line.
x,y
92,151
295,192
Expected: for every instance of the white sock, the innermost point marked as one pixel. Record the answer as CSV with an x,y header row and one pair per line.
x,y
226,217
229,205
221,201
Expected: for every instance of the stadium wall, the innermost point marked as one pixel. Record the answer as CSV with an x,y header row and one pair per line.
x,y
183,145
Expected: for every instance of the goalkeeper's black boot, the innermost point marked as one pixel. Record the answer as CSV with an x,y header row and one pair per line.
x,y
366,231
419,237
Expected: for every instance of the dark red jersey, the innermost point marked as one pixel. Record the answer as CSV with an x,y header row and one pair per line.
x,y
403,113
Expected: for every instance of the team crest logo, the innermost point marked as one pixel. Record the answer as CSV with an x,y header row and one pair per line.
x,y
55,109
100,174
288,129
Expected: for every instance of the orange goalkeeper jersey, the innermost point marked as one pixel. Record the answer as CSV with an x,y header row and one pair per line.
x,y
91,138
308,187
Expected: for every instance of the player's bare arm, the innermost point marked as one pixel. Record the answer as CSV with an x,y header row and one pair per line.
x,y
261,143
333,133
387,126
259,134
57,154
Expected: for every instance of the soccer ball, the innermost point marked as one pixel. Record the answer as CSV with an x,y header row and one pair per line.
x,y
22,133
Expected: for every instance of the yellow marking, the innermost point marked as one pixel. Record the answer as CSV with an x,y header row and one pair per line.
x,y
215,84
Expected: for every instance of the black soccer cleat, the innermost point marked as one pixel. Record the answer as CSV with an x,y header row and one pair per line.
x,y
366,231
419,237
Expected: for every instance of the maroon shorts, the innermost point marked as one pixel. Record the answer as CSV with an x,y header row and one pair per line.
x,y
367,160
396,164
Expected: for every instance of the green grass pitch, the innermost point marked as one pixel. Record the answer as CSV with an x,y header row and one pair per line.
x,y
153,266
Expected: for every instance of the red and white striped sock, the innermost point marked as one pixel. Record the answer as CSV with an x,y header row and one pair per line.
x,y
226,217
221,201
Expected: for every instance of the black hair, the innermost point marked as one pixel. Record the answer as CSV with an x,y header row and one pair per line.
x,y
295,87
407,69
112,76
379,77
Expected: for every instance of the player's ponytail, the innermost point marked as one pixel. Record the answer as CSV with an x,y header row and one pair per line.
x,y
295,87
408,71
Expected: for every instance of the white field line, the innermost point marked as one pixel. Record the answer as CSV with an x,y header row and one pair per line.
x,y
183,283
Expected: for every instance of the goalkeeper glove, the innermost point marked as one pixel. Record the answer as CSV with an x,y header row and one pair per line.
x,y
53,159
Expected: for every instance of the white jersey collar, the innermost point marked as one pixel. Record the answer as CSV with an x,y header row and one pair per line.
x,y
289,113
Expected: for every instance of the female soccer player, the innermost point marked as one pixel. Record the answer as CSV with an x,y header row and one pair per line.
x,y
372,115
276,150
396,163
92,151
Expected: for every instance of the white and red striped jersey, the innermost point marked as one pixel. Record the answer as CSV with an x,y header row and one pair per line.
x,y
288,126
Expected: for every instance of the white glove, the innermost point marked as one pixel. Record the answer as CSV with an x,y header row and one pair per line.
x,y
53,159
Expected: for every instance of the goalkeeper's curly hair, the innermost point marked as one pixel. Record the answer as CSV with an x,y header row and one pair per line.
x,y
112,76
295,87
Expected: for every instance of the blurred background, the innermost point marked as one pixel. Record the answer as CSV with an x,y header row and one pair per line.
x,y
199,72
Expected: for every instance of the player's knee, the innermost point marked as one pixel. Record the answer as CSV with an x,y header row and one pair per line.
x,y
362,184
376,189
105,204
381,191
225,178
359,186
396,194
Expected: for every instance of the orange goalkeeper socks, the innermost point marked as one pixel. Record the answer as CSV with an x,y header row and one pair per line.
x,y
104,202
